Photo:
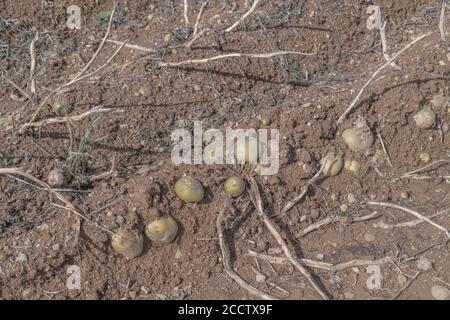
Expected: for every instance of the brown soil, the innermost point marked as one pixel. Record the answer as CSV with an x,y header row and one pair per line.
x,y
303,96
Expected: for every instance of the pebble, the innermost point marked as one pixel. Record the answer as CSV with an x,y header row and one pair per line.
x,y
369,237
21,257
351,198
178,254
260,277
424,264
320,256
56,247
315,213
440,293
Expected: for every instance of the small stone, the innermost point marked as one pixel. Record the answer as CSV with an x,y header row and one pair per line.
x,y
197,88
21,257
355,269
424,264
369,237
260,277
315,213
351,198
302,218
440,293
320,256
56,247
178,254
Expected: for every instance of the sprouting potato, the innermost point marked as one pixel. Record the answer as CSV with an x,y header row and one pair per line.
x,y
358,137
333,165
234,186
128,243
352,165
189,189
164,229
425,118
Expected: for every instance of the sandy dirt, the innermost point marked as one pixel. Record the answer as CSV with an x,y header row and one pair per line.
x,y
302,96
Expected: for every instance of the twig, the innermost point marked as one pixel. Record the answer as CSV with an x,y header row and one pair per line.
x,y
186,8
23,92
406,285
386,153
241,19
228,267
232,55
199,17
60,197
328,220
412,223
79,117
256,198
356,99
384,44
422,169
33,64
414,213
106,174
132,46
313,180
442,20
108,30
333,267
79,74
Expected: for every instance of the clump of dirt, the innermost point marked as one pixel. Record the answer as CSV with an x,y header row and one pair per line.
x,y
302,96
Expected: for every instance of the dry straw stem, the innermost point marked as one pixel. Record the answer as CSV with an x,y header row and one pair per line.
x,y
186,9
333,267
388,158
68,119
106,174
256,198
384,44
23,92
241,19
414,174
232,55
199,17
79,74
356,99
414,213
60,197
329,220
313,180
132,46
228,267
33,64
412,223
442,20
